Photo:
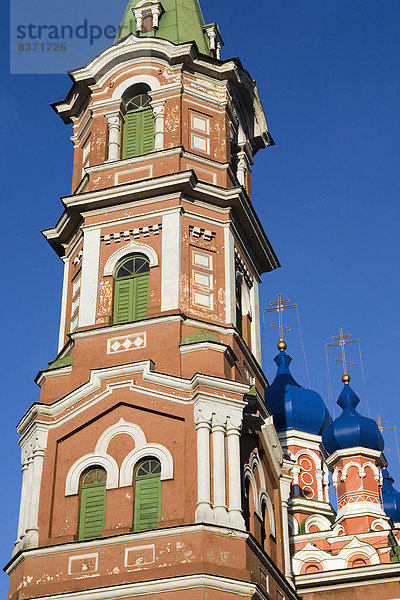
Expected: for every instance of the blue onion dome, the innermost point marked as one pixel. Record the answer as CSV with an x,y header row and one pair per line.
x,y
351,429
293,406
390,497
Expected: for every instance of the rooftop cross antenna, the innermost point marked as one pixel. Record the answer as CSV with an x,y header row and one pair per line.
x,y
384,426
341,340
279,306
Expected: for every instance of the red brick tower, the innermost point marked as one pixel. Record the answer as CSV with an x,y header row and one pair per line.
x,y
150,465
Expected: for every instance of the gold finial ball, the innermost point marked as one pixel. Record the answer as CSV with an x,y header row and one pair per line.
x,y
282,345
346,379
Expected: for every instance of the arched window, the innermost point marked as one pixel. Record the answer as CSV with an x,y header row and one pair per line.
x,y
246,504
265,525
138,128
238,296
92,513
147,508
131,289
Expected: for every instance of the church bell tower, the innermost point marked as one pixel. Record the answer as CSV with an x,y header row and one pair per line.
x,y
151,467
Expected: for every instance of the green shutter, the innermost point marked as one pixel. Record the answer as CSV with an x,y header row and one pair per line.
x,y
92,518
138,133
141,296
123,301
131,298
148,131
130,138
147,502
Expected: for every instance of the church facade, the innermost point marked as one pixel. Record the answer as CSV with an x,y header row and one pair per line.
x,y
159,462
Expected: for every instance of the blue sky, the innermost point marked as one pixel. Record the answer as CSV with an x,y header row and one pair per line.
x,y
327,194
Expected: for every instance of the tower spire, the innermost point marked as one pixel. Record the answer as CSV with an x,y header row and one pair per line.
x,y
178,21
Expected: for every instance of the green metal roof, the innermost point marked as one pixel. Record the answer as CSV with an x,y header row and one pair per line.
x,y
181,22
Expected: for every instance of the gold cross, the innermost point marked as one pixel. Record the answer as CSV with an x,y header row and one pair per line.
x,y
279,307
341,340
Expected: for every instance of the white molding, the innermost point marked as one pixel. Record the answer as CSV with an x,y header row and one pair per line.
x,y
255,322
132,247
271,439
53,373
92,459
171,261
294,525
63,315
294,437
348,578
229,276
90,278
149,450
128,538
356,451
158,586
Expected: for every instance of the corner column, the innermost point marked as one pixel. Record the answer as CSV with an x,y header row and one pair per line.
x,y
114,135
203,428
235,485
158,111
219,487
32,531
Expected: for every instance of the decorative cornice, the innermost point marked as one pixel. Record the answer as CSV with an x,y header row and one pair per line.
x,y
147,370
348,578
356,451
185,182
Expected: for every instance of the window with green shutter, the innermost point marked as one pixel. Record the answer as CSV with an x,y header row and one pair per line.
x,y
131,289
147,509
92,513
138,128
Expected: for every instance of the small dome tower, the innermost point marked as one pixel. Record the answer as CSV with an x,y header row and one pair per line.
x,y
300,417
355,448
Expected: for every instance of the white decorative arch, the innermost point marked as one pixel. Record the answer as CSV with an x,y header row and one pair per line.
x,y
115,477
375,470
93,459
361,470
293,525
255,463
379,525
335,476
338,530
311,553
248,474
264,498
151,81
319,521
130,248
310,453
149,450
357,547
120,428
